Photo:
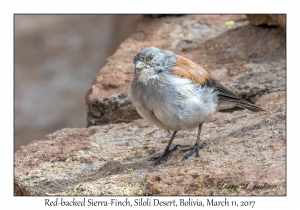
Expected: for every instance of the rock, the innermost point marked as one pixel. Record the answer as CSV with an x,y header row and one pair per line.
x,y
233,53
260,79
277,20
243,148
117,108
280,20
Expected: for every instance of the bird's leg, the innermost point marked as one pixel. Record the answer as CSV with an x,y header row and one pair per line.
x,y
164,156
196,147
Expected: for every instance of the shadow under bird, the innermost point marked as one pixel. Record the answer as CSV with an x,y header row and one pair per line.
x,y
173,93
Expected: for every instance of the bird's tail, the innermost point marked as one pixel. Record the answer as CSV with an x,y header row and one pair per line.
x,y
250,106
231,103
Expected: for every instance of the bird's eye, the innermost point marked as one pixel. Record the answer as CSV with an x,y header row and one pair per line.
x,y
150,58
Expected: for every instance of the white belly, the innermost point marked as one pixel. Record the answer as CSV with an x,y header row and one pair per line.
x,y
176,105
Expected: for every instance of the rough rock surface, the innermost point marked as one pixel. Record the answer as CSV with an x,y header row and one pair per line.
x,y
268,19
243,148
248,59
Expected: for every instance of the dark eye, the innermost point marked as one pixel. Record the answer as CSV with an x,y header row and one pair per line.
x,y
150,58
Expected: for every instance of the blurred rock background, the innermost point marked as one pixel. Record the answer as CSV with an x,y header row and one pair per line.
x,y
56,58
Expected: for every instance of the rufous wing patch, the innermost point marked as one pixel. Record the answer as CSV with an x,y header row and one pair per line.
x,y
186,68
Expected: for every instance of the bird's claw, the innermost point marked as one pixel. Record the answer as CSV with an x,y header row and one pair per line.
x,y
165,155
193,149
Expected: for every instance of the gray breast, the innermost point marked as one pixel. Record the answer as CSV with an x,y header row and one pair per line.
x,y
175,104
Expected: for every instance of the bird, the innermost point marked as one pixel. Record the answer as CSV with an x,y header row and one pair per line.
x,y
174,93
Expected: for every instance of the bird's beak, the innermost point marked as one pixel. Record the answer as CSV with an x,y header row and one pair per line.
x,y
139,65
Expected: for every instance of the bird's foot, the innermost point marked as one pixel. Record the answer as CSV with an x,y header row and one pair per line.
x,y
193,149
165,155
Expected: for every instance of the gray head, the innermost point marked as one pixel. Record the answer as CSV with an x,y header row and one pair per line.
x,y
153,60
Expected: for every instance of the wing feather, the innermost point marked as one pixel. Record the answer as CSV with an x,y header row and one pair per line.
x,y
187,69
